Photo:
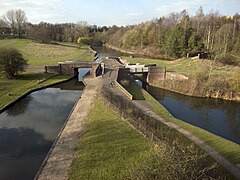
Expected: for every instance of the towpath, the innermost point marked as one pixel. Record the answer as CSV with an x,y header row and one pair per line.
x,y
58,162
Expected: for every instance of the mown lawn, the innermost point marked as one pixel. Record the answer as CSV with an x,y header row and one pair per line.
x,y
109,147
47,54
14,43
11,89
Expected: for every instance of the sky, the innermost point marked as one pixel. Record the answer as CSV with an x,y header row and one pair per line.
x,y
112,12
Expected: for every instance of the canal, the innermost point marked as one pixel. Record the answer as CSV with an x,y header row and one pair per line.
x,y
219,117
29,128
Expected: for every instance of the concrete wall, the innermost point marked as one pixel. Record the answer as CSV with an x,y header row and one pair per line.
x,y
156,74
123,76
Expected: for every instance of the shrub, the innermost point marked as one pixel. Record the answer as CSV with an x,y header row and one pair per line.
x,y
228,59
11,62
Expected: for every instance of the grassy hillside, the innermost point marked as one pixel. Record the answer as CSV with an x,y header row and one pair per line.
x,y
47,54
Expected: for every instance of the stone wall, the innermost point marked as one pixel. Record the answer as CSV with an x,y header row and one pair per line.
x,y
70,68
52,69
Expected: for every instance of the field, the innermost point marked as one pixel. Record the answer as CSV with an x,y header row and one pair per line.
x,y
47,54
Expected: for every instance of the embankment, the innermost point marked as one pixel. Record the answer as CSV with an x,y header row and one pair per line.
x,y
192,88
141,52
162,132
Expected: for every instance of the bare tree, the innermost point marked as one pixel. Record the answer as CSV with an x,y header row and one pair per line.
x,y
82,28
9,18
20,16
15,19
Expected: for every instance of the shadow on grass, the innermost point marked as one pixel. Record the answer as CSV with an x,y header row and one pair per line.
x,y
33,76
135,91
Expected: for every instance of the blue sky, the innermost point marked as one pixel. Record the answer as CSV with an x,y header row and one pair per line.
x,y
110,12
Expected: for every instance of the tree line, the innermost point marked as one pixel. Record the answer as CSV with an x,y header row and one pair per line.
x,y
14,24
173,36
179,34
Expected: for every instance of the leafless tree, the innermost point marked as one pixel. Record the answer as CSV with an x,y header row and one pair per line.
x,y
15,19
9,18
20,16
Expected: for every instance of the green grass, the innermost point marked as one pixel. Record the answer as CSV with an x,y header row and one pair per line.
x,y
12,89
109,147
17,43
135,92
187,67
226,148
47,54
37,54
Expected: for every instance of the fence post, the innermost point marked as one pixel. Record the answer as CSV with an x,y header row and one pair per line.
x,y
165,70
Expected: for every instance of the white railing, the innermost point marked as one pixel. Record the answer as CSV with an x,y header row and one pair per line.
x,y
138,69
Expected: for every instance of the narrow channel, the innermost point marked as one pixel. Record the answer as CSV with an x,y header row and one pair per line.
x,y
219,117
29,128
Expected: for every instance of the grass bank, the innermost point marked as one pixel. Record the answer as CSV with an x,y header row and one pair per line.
x,y
12,89
48,54
180,157
109,147
206,77
226,148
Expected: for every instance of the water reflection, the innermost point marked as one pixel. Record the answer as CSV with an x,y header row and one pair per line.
x,y
20,108
27,133
217,116
104,52
82,72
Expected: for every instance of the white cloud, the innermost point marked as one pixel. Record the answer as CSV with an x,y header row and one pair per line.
x,y
36,11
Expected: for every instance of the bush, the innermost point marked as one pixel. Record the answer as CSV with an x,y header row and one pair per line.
x,y
11,62
228,59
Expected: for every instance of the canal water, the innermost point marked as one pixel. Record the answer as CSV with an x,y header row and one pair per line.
x,y
103,52
29,128
217,116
